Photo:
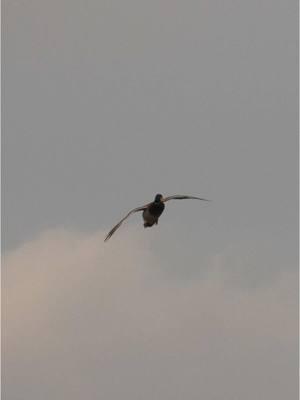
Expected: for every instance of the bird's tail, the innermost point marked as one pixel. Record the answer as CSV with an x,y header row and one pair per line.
x,y
147,225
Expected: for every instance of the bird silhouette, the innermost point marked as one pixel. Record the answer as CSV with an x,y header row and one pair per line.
x,y
151,211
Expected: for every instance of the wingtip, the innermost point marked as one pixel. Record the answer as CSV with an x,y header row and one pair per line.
x,y
200,198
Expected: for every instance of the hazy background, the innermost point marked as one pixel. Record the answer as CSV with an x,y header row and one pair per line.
x,y
105,104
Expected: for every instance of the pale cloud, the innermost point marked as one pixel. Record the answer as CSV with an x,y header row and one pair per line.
x,y
84,319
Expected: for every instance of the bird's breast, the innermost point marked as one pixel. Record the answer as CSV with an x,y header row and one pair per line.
x,y
156,209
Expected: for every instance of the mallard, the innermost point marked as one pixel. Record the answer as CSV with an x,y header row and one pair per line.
x,y
151,211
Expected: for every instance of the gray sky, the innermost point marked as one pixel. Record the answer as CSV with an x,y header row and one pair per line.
x,y
105,104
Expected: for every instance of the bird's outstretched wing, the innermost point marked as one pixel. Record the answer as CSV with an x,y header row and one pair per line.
x,y
111,232
182,197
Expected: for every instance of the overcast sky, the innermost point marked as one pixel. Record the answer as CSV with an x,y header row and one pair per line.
x,y
105,104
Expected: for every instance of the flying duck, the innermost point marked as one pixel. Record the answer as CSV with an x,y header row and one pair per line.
x,y
151,211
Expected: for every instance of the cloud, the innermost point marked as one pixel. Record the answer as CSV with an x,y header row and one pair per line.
x,y
84,319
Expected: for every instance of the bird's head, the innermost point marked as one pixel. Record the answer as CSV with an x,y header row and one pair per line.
x,y
158,198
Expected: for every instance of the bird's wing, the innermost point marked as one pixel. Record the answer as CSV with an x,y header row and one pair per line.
x,y
110,233
182,197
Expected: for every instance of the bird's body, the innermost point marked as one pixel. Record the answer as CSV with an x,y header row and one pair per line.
x,y
152,211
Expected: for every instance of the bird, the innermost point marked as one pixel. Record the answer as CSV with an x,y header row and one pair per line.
x,y
151,211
